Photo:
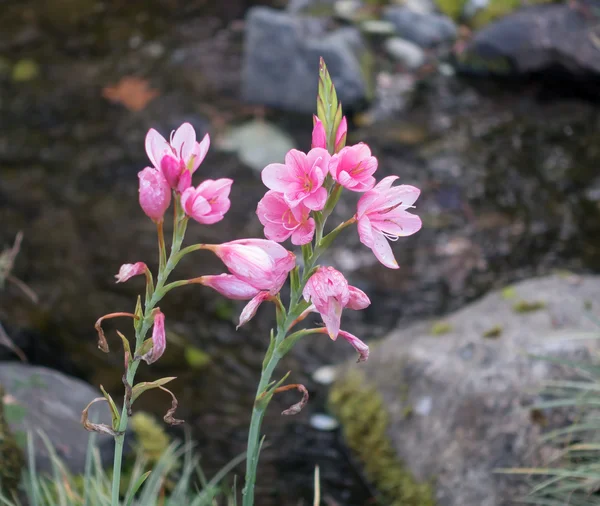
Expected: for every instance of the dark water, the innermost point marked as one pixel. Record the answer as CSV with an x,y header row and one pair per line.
x,y
510,189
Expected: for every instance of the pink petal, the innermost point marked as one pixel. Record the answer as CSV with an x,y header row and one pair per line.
x,y
340,135
331,317
357,344
365,231
184,141
316,201
155,193
296,162
156,147
185,181
399,223
230,286
277,232
319,139
358,299
250,309
304,233
276,176
383,252
404,195
200,150
127,271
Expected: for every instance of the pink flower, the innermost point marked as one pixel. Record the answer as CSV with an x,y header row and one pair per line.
x,y
301,178
209,202
230,286
159,339
282,221
155,194
127,271
179,158
353,168
382,215
260,263
330,293
319,136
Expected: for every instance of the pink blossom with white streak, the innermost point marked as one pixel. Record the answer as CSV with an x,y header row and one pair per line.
x,y
179,158
128,271
353,167
300,178
282,221
382,216
330,293
209,202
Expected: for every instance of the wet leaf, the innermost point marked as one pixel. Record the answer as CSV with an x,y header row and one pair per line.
x,y
132,92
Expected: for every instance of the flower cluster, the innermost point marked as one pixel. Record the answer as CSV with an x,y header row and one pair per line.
x,y
174,162
300,186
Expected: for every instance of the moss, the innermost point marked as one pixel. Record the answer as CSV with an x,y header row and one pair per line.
x,y
152,440
441,328
508,292
364,418
493,333
11,456
528,306
452,8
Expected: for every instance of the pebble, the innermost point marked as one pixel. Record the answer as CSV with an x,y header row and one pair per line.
x,y
325,375
405,52
347,10
321,421
378,27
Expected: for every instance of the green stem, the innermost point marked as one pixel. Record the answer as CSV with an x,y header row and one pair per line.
x,y
141,329
258,413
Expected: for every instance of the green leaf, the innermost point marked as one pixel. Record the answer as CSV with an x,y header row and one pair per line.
x,y
332,200
144,348
116,418
140,481
329,110
140,388
307,253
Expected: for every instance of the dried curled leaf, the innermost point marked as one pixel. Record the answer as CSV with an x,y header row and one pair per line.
x,y
168,418
101,428
295,408
116,417
102,343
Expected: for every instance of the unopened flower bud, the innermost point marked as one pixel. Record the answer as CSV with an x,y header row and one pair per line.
x,y
128,271
159,339
155,194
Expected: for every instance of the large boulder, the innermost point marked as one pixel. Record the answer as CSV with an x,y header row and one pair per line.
x,y
40,399
281,60
458,396
534,39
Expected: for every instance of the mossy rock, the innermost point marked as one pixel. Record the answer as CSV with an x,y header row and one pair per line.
x,y
495,9
11,455
364,419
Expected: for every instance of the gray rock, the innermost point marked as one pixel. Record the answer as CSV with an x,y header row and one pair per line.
x,y
471,396
426,30
281,60
404,51
302,6
257,143
532,40
49,401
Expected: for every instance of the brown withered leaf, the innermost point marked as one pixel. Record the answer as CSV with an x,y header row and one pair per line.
x,y
132,92
168,418
101,428
295,408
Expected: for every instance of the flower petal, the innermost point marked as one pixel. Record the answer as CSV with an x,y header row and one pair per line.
x,y
156,147
230,286
316,201
184,141
365,231
357,344
304,233
276,176
250,309
383,251
199,153
358,299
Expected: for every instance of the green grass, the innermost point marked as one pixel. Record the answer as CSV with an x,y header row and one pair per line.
x,y
176,479
573,477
